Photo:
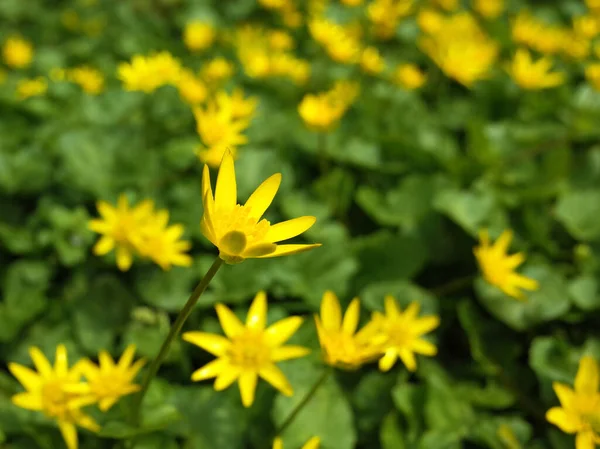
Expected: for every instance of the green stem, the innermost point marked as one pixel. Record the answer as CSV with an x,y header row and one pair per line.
x,y
320,381
174,331
322,151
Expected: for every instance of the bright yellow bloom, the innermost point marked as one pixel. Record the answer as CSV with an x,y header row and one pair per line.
x,y
586,27
371,61
576,47
592,74
385,15
409,76
121,227
237,230
280,40
57,391
338,41
191,88
248,351
161,242
429,20
529,31
17,52
313,443
322,111
499,268
490,9
32,87
594,5
216,70
579,410
198,35
533,75
110,381
89,79
291,17
148,73
341,345
238,106
403,332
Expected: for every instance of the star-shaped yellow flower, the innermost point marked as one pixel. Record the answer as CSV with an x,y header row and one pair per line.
x,y
238,231
248,351
110,381
579,410
532,75
313,443
56,391
403,331
341,345
499,268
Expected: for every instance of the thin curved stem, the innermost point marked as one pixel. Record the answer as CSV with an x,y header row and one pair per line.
x,y
173,332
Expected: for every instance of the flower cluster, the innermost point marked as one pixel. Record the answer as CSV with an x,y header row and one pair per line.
x,y
323,111
139,230
148,73
61,391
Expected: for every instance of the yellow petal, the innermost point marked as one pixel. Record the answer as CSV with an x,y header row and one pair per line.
x,y
277,379
104,245
126,357
585,440
231,324
262,197
226,189
210,370
351,317
260,250
567,422
287,250
107,363
61,361
136,367
215,344
388,360
86,422
391,306
501,245
425,324
331,312
565,395
206,187
124,258
226,378
281,331
106,210
278,443
586,380
514,260
106,404
69,434
41,362
282,353
247,382
524,282
412,310
26,376
290,228
313,443
28,401
257,313
408,358
423,347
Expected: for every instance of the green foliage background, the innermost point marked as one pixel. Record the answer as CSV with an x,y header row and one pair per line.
x,y
411,177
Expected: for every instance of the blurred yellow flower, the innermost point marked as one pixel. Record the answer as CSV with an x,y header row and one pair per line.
x,y
592,74
121,227
594,5
448,5
212,156
274,4
430,20
531,75
216,70
237,230
385,15
579,410
371,61
409,76
586,27
161,243
191,88
31,87
248,351
341,345
535,34
280,40
110,381
17,52
148,73
89,79
322,111
198,35
238,106
499,268
403,332
313,443
57,391
339,43
490,9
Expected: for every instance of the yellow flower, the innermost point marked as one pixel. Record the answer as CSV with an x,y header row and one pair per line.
x,y
56,391
403,333
280,40
594,5
529,31
110,381
238,231
371,61
339,43
217,70
313,443
322,111
448,5
148,73
198,35
161,242
91,80
341,345
248,351
533,75
429,20
499,268
586,27
579,412
490,9
121,227
409,76
32,87
17,52
191,88
239,107
592,74
385,16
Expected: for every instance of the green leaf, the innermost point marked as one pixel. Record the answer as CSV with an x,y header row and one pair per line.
x,y
391,435
584,292
408,399
578,211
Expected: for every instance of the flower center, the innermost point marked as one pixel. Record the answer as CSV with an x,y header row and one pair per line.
x,y
399,334
109,386
236,222
249,351
54,399
342,349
